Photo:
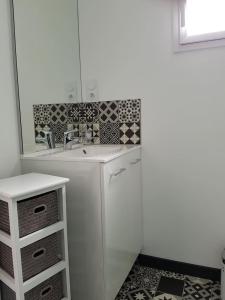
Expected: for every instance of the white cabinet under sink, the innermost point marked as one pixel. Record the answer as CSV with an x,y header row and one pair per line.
x,y
104,220
122,218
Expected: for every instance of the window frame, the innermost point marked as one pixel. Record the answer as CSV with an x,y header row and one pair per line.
x,y
182,42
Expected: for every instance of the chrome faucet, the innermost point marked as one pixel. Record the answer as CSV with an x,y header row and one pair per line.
x,y
48,139
70,139
84,137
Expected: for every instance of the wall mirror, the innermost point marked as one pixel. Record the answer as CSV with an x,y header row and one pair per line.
x,y
48,65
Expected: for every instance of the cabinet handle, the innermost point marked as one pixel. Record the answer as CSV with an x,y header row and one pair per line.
x,y
135,161
118,172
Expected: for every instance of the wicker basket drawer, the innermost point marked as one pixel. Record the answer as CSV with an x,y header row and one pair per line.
x,y
51,289
33,213
4,217
36,257
6,293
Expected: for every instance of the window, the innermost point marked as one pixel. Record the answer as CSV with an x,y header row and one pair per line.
x,y
200,23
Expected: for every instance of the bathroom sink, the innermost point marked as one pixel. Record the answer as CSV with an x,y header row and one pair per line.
x,y
94,153
90,151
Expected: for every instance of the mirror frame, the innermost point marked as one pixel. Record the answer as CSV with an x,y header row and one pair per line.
x,y
15,74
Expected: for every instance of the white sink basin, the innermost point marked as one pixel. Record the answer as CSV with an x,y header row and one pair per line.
x,y
90,151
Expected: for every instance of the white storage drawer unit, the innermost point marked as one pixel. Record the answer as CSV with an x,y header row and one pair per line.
x,y
33,238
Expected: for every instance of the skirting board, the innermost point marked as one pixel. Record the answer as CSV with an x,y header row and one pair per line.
x,y
179,267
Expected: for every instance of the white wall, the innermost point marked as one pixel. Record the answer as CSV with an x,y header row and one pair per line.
x,y
9,145
127,46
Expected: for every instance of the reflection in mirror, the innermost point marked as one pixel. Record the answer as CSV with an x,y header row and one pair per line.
x,y
47,50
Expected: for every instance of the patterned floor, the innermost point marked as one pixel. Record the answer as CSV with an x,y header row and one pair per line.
x,y
144,283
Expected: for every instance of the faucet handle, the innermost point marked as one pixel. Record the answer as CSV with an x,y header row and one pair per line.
x,y
69,137
70,134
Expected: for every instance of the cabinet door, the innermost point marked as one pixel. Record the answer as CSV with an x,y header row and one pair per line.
x,y
122,220
135,201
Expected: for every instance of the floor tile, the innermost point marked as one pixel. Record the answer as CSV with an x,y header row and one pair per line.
x,y
197,288
216,291
140,278
165,296
144,283
147,278
123,293
140,294
171,286
201,281
172,275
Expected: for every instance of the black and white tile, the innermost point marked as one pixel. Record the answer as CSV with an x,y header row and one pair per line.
x,y
146,283
40,130
89,112
58,130
130,133
216,291
197,288
165,296
172,275
109,133
109,112
171,286
147,278
96,133
93,128
73,113
111,122
140,294
130,111
41,114
58,113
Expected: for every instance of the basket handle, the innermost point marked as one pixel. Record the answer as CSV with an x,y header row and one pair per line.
x,y
40,209
39,253
46,291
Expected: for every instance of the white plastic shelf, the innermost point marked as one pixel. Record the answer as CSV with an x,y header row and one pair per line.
x,y
7,279
40,234
33,237
5,238
41,277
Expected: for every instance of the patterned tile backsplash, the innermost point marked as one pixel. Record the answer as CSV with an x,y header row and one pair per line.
x,y
111,122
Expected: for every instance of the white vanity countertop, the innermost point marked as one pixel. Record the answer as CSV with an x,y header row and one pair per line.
x,y
87,153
